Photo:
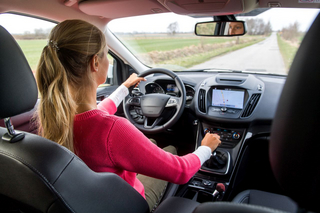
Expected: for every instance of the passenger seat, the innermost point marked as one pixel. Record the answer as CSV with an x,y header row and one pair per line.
x,y
266,199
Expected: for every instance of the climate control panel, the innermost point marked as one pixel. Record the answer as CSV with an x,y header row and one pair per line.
x,y
228,137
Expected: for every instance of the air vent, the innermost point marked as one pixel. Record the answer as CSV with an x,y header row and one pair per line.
x,y
202,100
251,105
230,80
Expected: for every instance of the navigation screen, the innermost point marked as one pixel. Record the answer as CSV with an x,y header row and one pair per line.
x,y
227,98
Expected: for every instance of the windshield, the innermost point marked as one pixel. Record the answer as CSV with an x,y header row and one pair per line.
x,y
168,41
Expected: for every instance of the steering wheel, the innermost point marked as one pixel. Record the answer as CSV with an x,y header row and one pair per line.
x,y
153,105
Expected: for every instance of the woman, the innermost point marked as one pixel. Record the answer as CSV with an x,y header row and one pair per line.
x,y
236,28
72,66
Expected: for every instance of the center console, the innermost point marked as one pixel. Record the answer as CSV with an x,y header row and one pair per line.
x,y
223,105
216,171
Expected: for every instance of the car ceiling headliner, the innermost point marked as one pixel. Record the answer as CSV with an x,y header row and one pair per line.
x,y
100,12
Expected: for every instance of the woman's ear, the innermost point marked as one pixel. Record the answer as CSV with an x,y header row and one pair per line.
x,y
94,64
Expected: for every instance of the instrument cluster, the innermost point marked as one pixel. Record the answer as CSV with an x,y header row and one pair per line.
x,y
170,88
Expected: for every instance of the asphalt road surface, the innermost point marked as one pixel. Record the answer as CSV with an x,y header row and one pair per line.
x,y
261,57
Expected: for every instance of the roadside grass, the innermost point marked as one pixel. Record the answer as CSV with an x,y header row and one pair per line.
x,y
32,50
287,50
149,44
190,61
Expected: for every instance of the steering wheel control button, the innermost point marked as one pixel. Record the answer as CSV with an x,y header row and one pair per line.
x,y
171,102
134,101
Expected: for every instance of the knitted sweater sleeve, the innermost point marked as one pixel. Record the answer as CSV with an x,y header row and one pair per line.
x,y
108,106
111,103
130,150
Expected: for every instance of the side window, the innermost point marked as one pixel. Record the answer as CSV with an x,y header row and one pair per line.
x,y
30,33
110,79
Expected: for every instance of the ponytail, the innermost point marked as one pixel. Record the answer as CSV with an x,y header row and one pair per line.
x,y
57,108
64,63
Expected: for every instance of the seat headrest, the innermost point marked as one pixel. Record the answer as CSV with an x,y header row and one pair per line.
x,y
294,143
18,89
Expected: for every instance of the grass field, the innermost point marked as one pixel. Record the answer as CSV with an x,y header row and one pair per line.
x,y
288,51
149,44
202,57
33,48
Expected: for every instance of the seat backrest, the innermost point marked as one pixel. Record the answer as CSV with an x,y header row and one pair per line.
x,y
44,175
39,174
295,144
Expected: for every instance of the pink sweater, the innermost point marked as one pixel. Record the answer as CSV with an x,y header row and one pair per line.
x,y
107,143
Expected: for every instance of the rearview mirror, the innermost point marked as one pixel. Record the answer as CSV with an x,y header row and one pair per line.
x,y
220,28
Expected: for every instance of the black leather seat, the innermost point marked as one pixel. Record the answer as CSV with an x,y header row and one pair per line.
x,y
266,199
38,175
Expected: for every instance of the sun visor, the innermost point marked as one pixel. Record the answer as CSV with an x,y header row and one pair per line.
x,y
119,9
208,7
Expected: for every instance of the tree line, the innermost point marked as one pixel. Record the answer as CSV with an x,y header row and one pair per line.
x,y
291,33
258,27
36,34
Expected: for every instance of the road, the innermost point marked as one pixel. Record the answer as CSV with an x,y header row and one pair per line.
x,y
261,57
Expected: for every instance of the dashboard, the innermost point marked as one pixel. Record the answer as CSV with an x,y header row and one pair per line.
x,y
236,106
224,97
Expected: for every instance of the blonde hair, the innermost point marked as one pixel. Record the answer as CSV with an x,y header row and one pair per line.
x,y
65,62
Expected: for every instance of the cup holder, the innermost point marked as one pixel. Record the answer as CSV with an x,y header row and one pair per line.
x,y
204,196
200,196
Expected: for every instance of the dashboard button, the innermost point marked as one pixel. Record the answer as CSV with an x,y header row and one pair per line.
x,y
207,183
223,109
206,131
236,135
214,109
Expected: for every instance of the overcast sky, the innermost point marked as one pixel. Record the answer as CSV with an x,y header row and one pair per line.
x,y
279,18
16,24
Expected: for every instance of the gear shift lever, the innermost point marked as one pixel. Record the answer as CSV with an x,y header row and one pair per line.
x,y
217,161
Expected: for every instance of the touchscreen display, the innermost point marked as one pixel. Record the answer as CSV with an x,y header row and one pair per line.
x,y
227,98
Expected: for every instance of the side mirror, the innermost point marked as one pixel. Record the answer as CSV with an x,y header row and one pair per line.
x,y
221,28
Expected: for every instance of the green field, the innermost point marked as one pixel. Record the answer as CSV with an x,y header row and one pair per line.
x,y
149,44
33,48
287,50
